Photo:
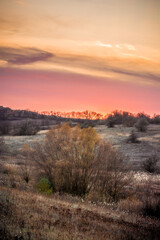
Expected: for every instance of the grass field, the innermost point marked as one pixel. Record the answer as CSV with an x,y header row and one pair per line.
x,y
27,214
135,152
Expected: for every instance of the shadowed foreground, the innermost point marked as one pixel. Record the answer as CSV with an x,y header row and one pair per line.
x,y
31,216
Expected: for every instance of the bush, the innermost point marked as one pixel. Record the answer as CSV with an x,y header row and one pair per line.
x,y
77,161
87,124
132,138
144,116
3,147
5,127
25,168
25,128
25,172
156,119
151,207
112,176
129,121
44,186
110,121
66,158
142,124
150,164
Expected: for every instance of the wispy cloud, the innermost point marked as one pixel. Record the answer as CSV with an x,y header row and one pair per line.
x,y
99,43
23,55
135,66
126,47
129,65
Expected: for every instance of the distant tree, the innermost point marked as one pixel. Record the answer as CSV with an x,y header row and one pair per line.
x,y
88,123
119,117
144,116
141,124
5,127
27,127
128,119
156,119
110,121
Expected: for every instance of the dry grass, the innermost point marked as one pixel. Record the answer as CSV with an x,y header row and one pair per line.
x,y
35,216
136,153
27,215
15,143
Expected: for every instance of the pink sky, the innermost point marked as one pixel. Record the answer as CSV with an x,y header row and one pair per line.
x,y
42,90
73,55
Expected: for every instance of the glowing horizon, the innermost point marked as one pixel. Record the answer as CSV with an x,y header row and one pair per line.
x,y
67,55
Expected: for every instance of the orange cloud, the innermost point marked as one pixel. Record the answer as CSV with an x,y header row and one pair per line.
x,y
136,67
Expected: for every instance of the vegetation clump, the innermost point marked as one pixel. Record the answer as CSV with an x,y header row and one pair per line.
x,y
25,128
44,186
110,121
3,146
151,207
132,138
142,124
150,164
77,161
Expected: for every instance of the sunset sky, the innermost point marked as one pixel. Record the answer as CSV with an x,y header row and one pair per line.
x,y
65,55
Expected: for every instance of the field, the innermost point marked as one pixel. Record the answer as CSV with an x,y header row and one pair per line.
x,y
135,152
31,215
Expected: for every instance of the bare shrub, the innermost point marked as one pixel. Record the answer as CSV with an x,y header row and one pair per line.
x,y
132,138
150,164
66,158
3,147
128,120
25,168
156,119
151,207
110,121
89,123
142,124
5,127
25,128
112,177
76,161
25,172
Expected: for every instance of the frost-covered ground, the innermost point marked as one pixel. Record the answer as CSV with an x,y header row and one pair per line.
x,y
15,143
135,153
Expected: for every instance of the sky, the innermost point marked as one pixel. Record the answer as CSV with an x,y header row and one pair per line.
x,y
76,55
